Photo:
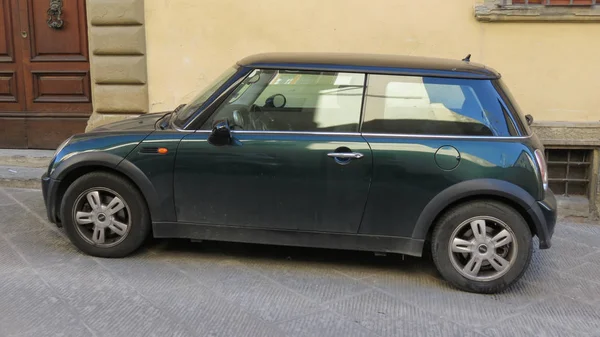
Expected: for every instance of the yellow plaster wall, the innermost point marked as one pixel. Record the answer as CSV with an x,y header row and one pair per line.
x,y
552,68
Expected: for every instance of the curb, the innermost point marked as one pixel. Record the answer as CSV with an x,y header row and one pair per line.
x,y
25,158
23,168
14,183
21,176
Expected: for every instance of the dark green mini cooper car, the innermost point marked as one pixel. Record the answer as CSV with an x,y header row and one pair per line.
x,y
361,152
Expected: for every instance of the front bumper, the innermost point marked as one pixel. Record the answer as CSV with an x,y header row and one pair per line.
x,y
544,215
49,186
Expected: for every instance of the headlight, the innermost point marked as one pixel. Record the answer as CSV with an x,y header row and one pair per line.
x,y
61,146
58,149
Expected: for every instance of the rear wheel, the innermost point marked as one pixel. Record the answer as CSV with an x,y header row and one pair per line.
x,y
105,215
482,246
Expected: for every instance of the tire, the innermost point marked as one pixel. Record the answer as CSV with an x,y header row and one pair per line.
x,y
463,222
79,218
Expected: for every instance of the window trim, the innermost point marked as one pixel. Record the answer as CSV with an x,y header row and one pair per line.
x,y
370,134
508,105
406,135
375,70
313,133
367,134
363,105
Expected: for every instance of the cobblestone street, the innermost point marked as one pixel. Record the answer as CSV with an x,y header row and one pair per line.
x,y
179,288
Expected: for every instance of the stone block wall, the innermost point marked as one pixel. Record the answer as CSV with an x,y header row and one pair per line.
x,y
576,136
118,59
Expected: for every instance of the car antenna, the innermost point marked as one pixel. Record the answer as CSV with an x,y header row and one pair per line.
x,y
468,58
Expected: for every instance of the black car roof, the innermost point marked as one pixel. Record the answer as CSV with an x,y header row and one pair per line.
x,y
372,63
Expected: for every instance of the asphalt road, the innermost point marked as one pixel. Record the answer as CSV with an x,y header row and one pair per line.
x,y
178,288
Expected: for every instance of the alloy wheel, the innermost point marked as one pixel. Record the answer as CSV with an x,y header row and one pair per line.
x,y
102,217
483,248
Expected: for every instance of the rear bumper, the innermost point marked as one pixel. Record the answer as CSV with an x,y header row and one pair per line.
x,y
544,214
49,186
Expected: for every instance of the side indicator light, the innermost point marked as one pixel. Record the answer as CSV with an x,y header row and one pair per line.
x,y
162,150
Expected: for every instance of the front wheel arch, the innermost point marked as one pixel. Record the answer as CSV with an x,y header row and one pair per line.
x,y
145,187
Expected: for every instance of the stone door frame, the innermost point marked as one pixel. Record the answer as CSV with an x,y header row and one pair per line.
x,y
117,49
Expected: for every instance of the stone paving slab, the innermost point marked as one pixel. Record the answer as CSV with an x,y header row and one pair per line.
x,y
26,158
179,288
19,176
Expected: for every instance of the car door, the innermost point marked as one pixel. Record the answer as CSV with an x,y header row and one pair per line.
x,y
295,160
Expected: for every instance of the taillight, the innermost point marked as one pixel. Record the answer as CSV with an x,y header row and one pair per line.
x,y
543,167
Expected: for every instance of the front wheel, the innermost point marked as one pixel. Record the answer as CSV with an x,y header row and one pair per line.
x,y
105,215
482,246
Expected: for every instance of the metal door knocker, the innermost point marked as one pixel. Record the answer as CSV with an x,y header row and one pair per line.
x,y
54,13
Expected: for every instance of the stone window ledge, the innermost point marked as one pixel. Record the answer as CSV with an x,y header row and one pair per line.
x,y
586,134
536,13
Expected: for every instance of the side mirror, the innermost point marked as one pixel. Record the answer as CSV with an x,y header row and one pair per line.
x,y
221,133
529,119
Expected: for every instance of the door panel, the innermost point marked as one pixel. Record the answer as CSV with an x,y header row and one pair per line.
x,y
47,85
8,87
6,32
69,43
58,56
11,95
61,87
44,72
272,180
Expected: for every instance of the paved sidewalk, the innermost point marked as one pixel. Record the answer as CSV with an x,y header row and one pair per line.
x,y
176,288
23,168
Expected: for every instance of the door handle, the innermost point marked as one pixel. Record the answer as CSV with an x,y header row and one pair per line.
x,y
346,155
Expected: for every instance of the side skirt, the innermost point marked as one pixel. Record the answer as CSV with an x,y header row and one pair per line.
x,y
374,243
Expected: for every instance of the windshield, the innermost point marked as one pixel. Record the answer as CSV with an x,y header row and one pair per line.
x,y
188,110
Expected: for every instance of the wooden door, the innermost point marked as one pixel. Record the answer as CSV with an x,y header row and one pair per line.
x,y
45,93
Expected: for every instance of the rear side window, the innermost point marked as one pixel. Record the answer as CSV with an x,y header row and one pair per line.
x,y
434,106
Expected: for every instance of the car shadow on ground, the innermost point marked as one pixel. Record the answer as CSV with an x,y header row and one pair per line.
x,y
334,258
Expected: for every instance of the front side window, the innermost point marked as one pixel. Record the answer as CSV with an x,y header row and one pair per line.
x,y
282,100
434,106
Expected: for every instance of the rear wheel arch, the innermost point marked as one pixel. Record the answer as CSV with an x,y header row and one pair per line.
x,y
483,197
468,191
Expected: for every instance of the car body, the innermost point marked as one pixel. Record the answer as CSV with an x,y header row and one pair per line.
x,y
345,151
